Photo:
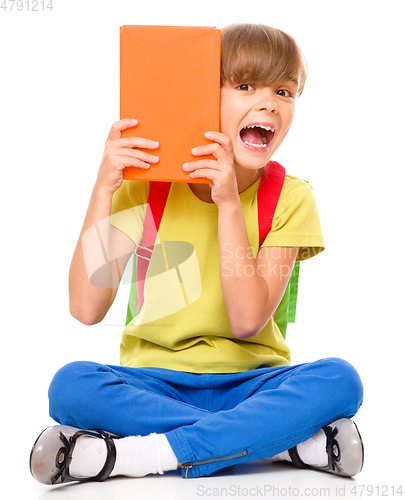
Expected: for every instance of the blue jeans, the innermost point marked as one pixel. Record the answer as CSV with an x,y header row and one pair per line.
x,y
211,421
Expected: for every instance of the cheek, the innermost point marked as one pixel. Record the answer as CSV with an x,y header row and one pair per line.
x,y
287,121
225,125
227,114
224,128
290,115
224,119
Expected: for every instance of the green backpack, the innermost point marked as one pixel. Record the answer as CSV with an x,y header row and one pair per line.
x,y
267,198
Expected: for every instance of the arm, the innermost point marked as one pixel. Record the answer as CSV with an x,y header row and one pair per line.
x,y
252,289
89,303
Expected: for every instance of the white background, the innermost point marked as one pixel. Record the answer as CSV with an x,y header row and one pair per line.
x,y
59,95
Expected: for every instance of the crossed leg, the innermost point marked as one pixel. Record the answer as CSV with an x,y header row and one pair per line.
x,y
210,420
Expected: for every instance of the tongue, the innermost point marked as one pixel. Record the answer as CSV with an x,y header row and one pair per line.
x,y
251,135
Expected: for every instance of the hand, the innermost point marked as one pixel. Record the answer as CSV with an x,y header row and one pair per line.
x,y
121,152
221,171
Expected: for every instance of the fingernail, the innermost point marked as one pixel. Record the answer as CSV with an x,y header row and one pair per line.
x,y
155,158
185,166
155,143
194,150
207,134
134,120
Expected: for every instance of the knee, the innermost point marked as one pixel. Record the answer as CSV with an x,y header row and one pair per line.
x,y
64,391
346,381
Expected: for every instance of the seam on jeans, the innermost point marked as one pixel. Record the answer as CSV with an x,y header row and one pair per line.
x,y
295,369
117,374
289,373
183,444
311,430
207,399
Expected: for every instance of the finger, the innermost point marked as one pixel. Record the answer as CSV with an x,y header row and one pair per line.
x,y
201,164
214,149
203,168
132,142
221,139
129,161
117,158
207,173
134,153
117,127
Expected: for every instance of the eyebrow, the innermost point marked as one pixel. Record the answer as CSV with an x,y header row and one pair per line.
x,y
289,79
294,81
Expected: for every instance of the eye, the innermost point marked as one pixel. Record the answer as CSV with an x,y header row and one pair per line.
x,y
245,87
284,93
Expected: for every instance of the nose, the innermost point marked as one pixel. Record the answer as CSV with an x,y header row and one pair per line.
x,y
266,101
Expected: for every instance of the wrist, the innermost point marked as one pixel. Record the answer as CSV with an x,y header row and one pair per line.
x,y
102,193
230,208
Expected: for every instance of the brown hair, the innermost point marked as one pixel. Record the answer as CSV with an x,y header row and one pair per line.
x,y
256,53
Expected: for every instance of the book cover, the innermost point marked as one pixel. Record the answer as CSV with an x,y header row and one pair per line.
x,y
170,82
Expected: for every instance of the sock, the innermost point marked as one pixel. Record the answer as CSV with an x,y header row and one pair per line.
x,y
284,456
137,456
88,457
312,451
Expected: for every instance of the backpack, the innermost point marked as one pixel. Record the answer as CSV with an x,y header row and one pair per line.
x,y
267,198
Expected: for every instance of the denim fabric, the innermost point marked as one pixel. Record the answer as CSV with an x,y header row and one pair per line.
x,y
211,421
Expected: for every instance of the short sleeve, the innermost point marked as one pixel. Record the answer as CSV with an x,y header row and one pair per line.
x,y
296,220
129,207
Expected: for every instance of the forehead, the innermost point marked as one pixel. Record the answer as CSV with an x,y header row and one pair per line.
x,y
262,57
261,70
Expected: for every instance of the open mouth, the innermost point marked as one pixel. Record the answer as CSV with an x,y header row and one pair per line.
x,y
257,136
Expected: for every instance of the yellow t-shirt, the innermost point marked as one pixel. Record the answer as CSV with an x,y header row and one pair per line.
x,y
183,324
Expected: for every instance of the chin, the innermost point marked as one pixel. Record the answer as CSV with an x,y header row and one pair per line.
x,y
252,163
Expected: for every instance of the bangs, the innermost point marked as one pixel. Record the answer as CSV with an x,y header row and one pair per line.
x,y
255,53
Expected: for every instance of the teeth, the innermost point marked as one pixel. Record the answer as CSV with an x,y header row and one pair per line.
x,y
271,129
261,126
255,145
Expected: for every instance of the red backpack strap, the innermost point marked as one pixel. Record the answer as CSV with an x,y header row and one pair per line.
x,y
268,195
158,193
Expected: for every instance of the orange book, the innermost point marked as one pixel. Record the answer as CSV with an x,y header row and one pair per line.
x,y
170,82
